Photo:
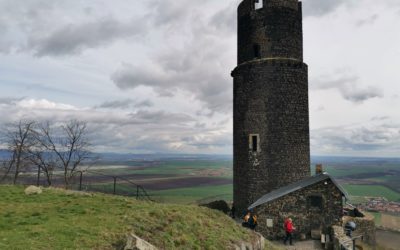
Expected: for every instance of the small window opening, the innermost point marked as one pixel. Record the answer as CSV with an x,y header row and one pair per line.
x,y
254,143
257,51
258,4
316,201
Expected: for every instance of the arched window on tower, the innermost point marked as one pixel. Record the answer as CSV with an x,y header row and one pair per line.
x,y
258,4
257,51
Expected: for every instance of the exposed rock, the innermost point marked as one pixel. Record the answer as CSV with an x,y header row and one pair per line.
x,y
258,243
340,239
33,190
135,243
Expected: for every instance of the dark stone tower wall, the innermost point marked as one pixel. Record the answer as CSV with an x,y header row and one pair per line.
x,y
276,28
270,101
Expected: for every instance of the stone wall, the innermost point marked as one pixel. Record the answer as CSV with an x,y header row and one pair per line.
x,y
340,239
271,100
298,206
276,28
365,226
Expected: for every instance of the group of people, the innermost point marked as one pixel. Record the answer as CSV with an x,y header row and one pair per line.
x,y
250,221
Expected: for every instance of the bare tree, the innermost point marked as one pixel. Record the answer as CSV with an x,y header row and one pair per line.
x,y
68,144
19,140
44,161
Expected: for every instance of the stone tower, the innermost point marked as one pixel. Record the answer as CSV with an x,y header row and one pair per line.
x,y
271,119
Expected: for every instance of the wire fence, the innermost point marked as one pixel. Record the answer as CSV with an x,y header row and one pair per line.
x,y
89,181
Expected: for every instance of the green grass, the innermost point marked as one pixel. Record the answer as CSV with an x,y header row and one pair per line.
x,y
192,195
377,217
58,220
372,190
177,196
358,200
354,169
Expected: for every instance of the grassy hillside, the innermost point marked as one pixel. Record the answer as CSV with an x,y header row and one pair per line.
x,y
56,219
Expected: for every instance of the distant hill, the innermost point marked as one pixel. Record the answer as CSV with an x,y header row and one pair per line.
x,y
352,159
159,156
4,154
165,156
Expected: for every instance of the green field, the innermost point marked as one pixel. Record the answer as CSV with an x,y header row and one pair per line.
x,y
377,217
191,195
181,168
184,167
373,191
57,219
194,195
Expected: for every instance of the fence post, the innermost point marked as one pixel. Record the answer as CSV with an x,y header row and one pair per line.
x,y
115,184
38,177
137,192
80,181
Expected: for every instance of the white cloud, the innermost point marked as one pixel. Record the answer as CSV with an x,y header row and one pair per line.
x,y
33,104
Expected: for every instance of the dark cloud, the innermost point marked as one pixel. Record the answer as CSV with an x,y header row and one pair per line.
x,y
119,104
199,67
74,38
10,100
347,86
160,117
144,104
207,84
355,94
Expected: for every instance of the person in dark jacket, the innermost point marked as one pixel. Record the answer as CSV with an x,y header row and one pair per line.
x,y
253,221
246,219
233,211
289,228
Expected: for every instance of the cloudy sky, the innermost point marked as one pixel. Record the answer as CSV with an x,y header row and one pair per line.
x,y
154,75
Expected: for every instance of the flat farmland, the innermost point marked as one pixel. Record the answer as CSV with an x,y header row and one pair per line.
x,y
388,240
194,178
194,194
186,180
169,181
390,221
372,191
